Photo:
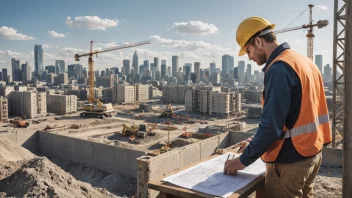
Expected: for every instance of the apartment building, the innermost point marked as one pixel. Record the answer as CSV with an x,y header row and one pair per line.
x,y
142,92
123,94
28,104
212,101
3,110
62,104
173,94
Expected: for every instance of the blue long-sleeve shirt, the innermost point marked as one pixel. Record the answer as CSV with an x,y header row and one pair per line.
x,y
282,94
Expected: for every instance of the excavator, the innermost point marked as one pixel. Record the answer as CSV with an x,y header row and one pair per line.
x,y
95,108
168,112
142,131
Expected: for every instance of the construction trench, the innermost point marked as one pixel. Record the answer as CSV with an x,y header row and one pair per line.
x,y
135,169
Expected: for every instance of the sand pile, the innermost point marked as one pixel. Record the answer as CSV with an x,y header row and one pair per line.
x,y
41,178
114,183
12,157
10,151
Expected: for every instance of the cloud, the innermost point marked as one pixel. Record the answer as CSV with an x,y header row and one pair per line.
x,y
188,45
189,56
9,33
46,46
91,22
11,54
195,27
2,61
54,34
299,41
322,7
69,51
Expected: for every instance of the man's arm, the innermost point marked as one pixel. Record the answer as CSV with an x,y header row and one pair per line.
x,y
279,85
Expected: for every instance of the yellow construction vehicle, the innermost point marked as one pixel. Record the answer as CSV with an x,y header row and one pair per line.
x,y
128,131
95,108
168,112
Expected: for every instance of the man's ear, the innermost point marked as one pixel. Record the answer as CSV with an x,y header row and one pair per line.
x,y
259,42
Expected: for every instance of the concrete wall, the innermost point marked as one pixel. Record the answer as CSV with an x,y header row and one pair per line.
x,y
103,157
155,168
28,140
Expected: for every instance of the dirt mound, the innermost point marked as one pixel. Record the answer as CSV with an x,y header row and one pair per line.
x,y
41,178
328,187
114,183
10,151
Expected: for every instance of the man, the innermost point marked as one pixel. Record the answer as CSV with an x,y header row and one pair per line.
x,y
294,124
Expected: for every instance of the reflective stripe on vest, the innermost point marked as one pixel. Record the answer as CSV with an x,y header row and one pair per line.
x,y
308,128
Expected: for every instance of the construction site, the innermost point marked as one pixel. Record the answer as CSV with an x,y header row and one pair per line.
x,y
126,150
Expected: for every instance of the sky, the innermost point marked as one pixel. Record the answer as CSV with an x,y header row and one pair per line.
x,y
195,30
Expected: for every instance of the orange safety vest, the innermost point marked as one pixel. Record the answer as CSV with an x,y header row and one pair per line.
x,y
312,128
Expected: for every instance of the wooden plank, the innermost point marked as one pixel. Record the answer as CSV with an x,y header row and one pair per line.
x,y
188,193
176,190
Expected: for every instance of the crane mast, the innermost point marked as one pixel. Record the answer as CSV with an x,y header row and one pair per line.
x,y
95,108
91,95
310,35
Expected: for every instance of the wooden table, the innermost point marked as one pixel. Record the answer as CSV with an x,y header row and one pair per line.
x,y
168,190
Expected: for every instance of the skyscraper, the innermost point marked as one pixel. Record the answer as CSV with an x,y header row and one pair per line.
x,y
38,61
156,63
319,62
26,72
327,73
187,71
16,70
227,64
212,68
249,72
235,73
241,74
163,68
4,75
127,66
197,70
135,62
174,65
60,66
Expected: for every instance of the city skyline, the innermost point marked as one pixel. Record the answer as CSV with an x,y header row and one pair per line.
x,y
194,36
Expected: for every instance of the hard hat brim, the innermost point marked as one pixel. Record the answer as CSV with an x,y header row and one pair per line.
x,y
241,52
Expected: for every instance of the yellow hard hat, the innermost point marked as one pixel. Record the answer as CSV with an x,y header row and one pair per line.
x,y
248,28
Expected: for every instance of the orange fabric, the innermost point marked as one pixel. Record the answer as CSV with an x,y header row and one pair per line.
x,y
312,128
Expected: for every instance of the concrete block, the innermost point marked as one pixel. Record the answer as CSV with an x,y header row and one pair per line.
x,y
125,161
190,154
332,157
57,147
103,157
45,143
208,146
236,137
67,148
87,154
29,141
157,165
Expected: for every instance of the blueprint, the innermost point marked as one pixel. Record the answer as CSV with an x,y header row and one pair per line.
x,y
208,177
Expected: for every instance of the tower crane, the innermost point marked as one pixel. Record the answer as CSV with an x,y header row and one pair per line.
x,y
95,108
310,35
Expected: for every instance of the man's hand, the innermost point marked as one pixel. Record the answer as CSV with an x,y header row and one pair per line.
x,y
242,145
232,166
